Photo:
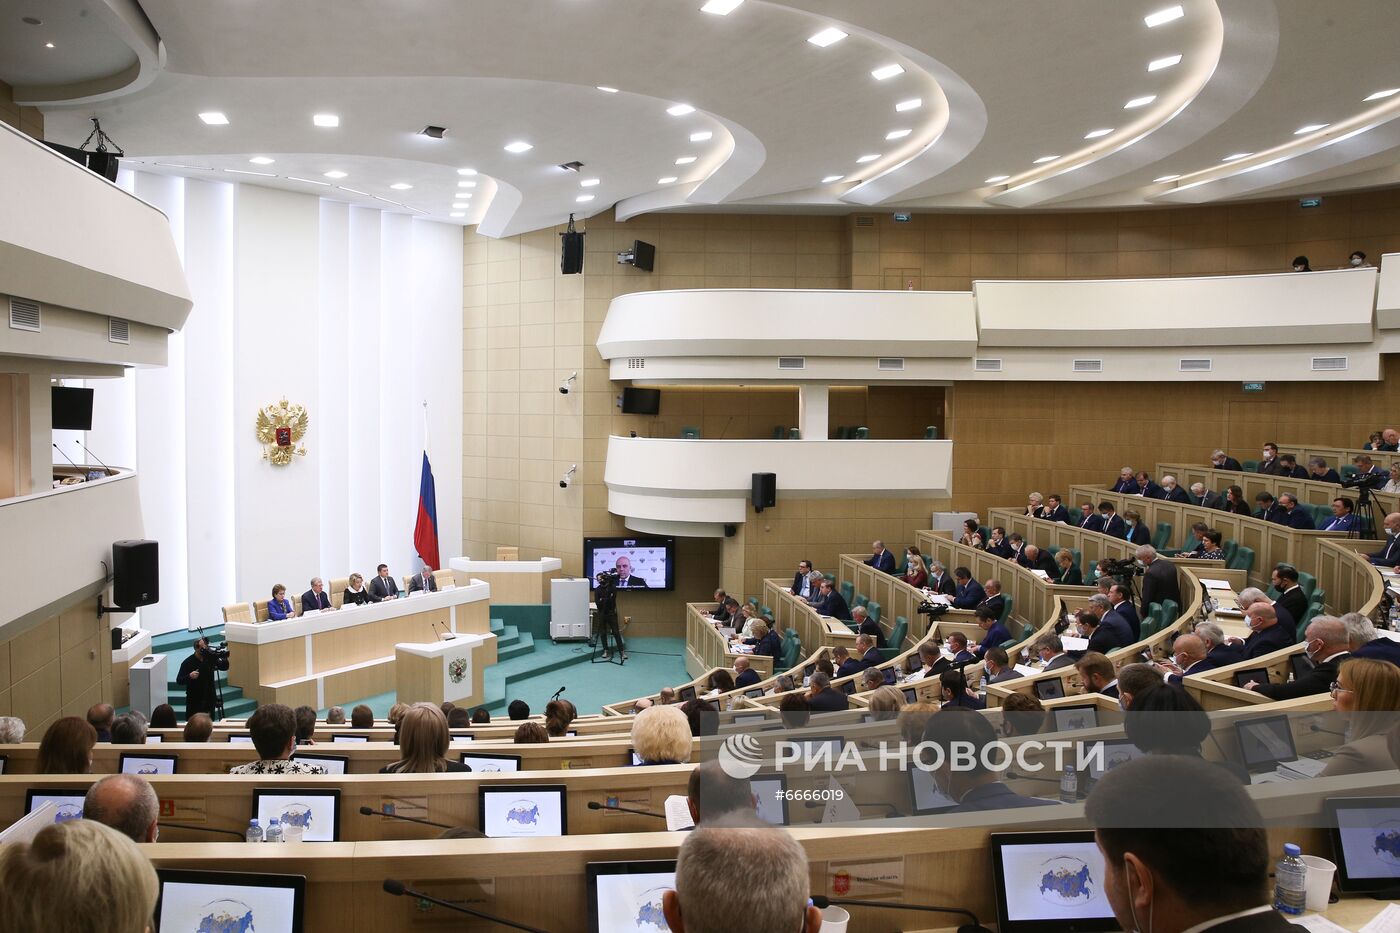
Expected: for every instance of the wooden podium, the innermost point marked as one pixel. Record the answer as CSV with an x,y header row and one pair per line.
x,y
442,671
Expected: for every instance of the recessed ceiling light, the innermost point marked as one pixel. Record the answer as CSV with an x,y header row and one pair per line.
x,y
1043,159
702,136
685,160
401,186
457,214
326,119
335,173
721,7
607,90
1381,95
1310,128
1235,157
466,171
1165,178
48,45
261,160
242,171
518,146
466,184
1137,102
464,195
214,118
1163,16
680,110
460,205
1157,64
363,194
667,180
885,72
1095,134
584,198
830,178
997,179
912,104
897,134
588,182
867,158
828,36
308,181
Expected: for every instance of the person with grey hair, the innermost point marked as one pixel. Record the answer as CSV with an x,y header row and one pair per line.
x,y
1127,482
335,716
1206,498
872,678
11,730
129,729
775,895
823,697
1159,583
1249,596
127,803
1106,631
1320,472
939,580
1052,652
1325,644
1220,651
643,703
1220,460
315,599
880,557
1188,657
1364,643
1134,680
868,626
1171,492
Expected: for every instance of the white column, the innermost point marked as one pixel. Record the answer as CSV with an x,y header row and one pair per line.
x,y
812,404
371,347
341,365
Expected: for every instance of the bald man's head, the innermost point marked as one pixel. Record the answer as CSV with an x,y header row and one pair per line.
x,y
100,716
127,803
1189,648
1260,615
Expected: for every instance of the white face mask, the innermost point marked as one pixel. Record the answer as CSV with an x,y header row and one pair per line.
x,y
1356,260
1268,455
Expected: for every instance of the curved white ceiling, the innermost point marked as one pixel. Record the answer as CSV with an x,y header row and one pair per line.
x,y
1001,83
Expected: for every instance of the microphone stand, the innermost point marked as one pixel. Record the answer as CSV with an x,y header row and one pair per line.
x,y
399,889
110,471
367,811
204,829
595,805
974,927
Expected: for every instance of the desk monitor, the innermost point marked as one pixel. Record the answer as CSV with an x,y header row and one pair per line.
x,y
463,737
770,790
686,693
3,759
341,737
317,811
523,810
154,739
750,719
334,764
219,900
1115,753
924,792
241,738
1260,675
1365,843
754,694
626,896
911,695
636,759
490,763
850,687
1079,716
137,763
1050,882
68,800
1264,742
812,745
1051,688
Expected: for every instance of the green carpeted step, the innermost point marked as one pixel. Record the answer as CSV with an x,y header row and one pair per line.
x,y
515,647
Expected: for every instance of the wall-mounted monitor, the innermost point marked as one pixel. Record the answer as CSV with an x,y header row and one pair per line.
x,y
637,401
642,563
72,408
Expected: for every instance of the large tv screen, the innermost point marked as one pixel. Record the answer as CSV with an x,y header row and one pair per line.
x,y
72,408
643,563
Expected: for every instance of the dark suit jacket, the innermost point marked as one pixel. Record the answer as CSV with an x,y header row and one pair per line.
x,y
1331,476
1274,638
871,627
993,637
415,584
1272,514
1177,494
829,700
883,562
1294,602
1211,500
969,595
383,587
850,667
1297,472
1387,556
310,601
1056,663
633,582
995,603
1200,667
1112,633
1381,649
1231,464
1009,674
747,679
963,657
1128,612
1110,691
770,645
1346,522
797,579
1159,584
1000,550
1298,518
1112,526
1151,491
1071,577
1043,561
1138,534
1224,654
1059,514
834,606
997,796
1317,680
871,658
1127,487
943,584
1270,467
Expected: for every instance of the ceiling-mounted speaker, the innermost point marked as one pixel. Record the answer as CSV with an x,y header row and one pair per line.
x,y
571,252
765,491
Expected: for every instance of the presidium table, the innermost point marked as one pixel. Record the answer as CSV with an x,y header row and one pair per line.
x,y
332,658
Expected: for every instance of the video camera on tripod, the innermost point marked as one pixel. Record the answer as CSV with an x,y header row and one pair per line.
x,y
218,652
933,610
1124,568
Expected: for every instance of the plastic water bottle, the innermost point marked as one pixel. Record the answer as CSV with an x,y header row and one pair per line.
x,y
1069,786
254,831
1290,881
274,831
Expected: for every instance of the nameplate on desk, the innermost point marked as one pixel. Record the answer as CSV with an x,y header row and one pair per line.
x,y
310,613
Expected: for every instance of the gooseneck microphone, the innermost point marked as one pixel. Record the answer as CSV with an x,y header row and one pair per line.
x,y
368,811
447,633
1314,727
822,902
65,456
242,837
110,471
399,889
595,805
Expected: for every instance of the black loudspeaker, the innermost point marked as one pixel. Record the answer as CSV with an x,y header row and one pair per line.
x,y
730,530
116,638
571,253
135,573
765,491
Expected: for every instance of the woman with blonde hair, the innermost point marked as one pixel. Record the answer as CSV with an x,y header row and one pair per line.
x,y
423,742
1368,692
765,641
355,592
1069,574
886,701
916,575
1035,505
78,876
661,736
912,719
67,747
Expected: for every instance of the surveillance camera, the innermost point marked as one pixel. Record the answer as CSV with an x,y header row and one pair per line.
x,y
568,477
564,386
564,483
564,390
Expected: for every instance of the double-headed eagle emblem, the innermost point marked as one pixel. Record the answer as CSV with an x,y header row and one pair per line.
x,y
280,429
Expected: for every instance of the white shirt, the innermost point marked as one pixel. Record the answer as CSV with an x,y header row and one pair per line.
x,y
1200,927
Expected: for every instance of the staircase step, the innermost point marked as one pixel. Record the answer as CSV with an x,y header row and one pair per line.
x,y
524,645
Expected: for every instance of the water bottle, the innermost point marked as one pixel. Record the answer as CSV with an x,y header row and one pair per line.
x,y
1394,615
293,832
274,831
255,833
1069,786
1290,881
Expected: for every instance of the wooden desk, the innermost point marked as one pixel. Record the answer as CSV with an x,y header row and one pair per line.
x,y
512,582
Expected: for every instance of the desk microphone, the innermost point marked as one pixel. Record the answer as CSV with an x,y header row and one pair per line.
x,y
822,902
205,829
367,811
595,805
447,633
558,693
110,471
1314,727
65,456
399,889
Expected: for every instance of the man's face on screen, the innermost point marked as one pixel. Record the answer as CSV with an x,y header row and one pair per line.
x,y
624,567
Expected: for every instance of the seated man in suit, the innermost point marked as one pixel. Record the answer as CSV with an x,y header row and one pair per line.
x,y
1134,532
1171,492
1207,498
881,558
1364,643
721,612
1018,548
1220,836
822,697
1389,555
1106,521
953,691
999,667
423,581
931,662
1188,657
1037,559
870,656
1320,472
994,601
383,587
801,582
1220,651
1288,467
1051,652
1291,597
868,626
1294,516
1086,512
1266,634
968,593
1127,482
1055,510
1325,644
975,788
957,643
1118,598
744,674
1343,518
846,666
832,603
1107,631
939,580
993,632
1268,510
1223,461
316,598
1159,582
626,579
1195,543
1096,672
1268,462
1365,467
1146,487
997,543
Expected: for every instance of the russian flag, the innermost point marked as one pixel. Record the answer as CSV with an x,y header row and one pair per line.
x,y
425,531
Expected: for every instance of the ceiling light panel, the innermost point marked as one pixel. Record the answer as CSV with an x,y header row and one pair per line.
x,y
518,147
460,205
335,173
328,120
680,110
1137,102
897,134
457,214
828,36
588,182
721,7
997,179
584,198
214,118
911,104
1043,159
702,136
466,184
261,160
669,179
1235,157
867,158
1382,95
1162,17
885,72
401,186
1097,134
607,90
466,171
1165,178
1310,128
685,160
1157,64
832,178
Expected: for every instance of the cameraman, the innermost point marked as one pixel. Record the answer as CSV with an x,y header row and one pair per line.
x,y
605,597
197,675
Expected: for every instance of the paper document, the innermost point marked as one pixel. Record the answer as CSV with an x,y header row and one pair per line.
x,y
1040,573
1025,670
1317,923
1387,921
1074,644
677,813
1216,584
938,598
1302,768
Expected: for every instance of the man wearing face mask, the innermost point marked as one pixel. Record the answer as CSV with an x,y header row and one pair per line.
x,y
1206,871
1389,555
1326,644
1267,635
1293,516
1268,463
1357,260
1106,522
1223,461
